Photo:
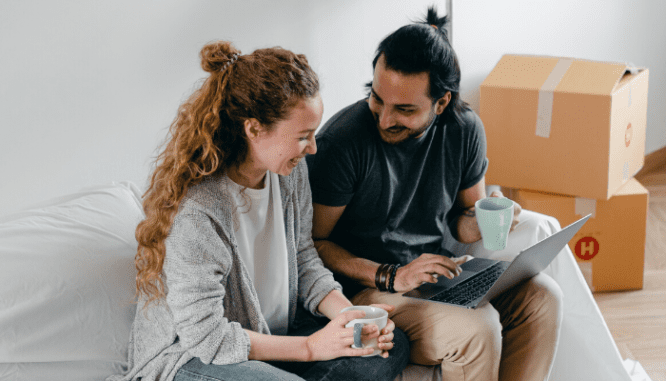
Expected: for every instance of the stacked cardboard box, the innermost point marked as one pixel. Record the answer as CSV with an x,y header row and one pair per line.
x,y
565,138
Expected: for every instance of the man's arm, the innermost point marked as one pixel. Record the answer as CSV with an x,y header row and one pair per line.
x,y
467,227
423,269
336,258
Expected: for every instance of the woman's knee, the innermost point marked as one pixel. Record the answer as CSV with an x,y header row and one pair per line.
x,y
400,352
366,368
384,368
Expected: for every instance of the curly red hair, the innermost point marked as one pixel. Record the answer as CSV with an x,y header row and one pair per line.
x,y
208,136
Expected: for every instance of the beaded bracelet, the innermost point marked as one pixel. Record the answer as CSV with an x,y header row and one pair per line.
x,y
392,280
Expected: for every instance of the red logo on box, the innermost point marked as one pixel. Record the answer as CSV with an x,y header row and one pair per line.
x,y
586,248
627,135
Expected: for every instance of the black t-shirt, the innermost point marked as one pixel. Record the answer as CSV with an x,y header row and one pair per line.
x,y
399,198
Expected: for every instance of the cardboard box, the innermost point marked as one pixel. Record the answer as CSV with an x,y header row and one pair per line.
x,y
610,247
564,125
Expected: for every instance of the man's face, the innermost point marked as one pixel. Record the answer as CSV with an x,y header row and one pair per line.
x,y
401,104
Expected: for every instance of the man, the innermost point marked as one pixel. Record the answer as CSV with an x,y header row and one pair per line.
x,y
395,179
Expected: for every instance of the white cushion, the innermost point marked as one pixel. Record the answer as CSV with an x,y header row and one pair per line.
x,y
67,284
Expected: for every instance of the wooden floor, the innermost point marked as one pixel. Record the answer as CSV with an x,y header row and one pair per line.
x,y
637,319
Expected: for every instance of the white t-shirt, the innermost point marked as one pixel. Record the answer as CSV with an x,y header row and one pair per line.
x,y
262,244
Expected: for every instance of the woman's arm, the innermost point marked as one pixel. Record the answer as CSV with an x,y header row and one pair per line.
x,y
278,348
330,342
333,303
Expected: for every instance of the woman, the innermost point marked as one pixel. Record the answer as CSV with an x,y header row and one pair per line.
x,y
225,252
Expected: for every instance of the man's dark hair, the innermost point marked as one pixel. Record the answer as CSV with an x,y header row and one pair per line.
x,y
424,47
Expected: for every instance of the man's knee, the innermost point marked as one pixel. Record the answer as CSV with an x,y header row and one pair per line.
x,y
546,296
477,337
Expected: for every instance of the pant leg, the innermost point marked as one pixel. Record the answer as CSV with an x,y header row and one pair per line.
x,y
533,227
466,342
195,370
350,368
531,314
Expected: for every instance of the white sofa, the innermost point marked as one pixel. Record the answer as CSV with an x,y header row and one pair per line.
x,y
67,288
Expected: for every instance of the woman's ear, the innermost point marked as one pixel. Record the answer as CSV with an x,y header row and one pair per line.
x,y
252,128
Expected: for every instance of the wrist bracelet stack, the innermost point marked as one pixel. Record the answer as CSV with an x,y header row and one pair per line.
x,y
385,277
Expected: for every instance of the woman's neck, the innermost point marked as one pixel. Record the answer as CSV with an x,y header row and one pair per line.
x,y
247,175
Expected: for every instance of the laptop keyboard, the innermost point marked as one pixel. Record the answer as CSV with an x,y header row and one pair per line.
x,y
472,288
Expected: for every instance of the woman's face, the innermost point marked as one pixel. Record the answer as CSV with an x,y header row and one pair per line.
x,y
281,149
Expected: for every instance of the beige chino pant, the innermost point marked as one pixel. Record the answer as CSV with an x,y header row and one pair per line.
x,y
512,338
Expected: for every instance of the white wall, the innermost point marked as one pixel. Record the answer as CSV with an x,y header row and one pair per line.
x,y
605,30
88,88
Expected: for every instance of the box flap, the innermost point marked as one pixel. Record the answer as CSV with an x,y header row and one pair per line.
x,y
581,77
632,187
520,72
591,77
630,73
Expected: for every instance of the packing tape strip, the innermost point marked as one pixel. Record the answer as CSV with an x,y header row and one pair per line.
x,y
545,108
585,206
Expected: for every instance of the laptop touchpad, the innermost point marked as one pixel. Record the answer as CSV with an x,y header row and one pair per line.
x,y
477,264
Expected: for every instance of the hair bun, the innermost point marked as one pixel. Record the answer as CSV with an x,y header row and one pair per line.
x,y
215,55
434,20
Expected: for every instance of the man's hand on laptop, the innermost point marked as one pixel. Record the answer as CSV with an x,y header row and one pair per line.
x,y
426,269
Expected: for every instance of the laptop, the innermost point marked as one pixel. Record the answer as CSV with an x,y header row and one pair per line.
x,y
483,279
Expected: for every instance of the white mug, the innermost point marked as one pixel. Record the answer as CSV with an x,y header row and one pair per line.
x,y
373,315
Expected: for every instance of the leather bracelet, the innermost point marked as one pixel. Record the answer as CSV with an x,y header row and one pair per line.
x,y
383,279
388,271
394,271
378,276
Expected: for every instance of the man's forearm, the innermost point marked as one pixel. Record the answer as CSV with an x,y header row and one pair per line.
x,y
468,228
341,261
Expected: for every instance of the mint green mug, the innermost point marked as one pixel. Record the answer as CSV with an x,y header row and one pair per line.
x,y
494,216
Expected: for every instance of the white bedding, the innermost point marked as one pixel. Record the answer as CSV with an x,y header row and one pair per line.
x,y
67,271
67,283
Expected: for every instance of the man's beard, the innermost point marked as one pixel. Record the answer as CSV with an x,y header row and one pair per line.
x,y
413,133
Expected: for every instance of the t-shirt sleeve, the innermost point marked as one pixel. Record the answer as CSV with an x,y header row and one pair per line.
x,y
332,173
475,162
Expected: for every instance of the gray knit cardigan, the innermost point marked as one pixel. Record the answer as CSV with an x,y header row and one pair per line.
x,y
210,296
